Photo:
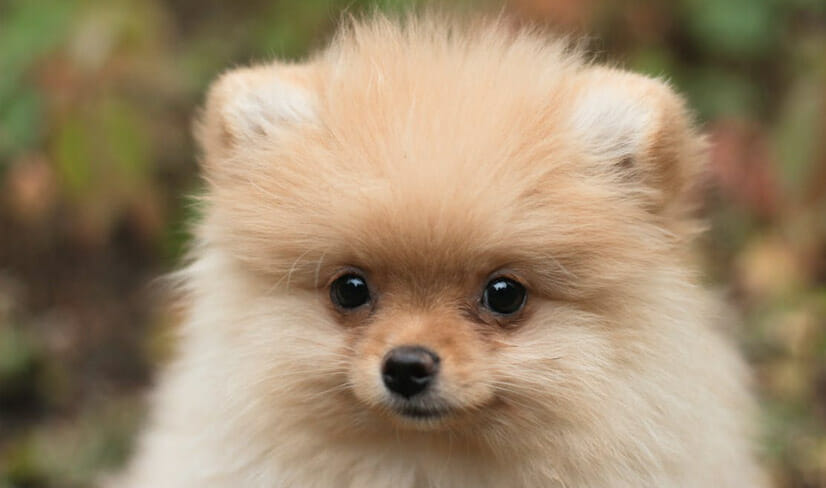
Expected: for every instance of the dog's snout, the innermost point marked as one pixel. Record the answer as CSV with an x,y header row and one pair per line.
x,y
409,370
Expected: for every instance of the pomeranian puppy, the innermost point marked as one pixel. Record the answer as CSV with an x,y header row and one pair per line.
x,y
441,255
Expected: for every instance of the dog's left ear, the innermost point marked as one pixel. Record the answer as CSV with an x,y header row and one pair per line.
x,y
641,129
253,107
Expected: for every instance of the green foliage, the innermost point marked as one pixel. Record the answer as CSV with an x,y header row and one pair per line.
x,y
28,31
799,130
735,28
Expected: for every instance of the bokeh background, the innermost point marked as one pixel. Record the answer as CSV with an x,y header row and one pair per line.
x,y
96,162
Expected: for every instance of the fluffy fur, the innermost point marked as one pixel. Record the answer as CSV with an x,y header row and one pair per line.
x,y
430,155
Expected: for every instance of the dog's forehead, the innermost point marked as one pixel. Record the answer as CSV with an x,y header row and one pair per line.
x,y
436,225
401,203
440,224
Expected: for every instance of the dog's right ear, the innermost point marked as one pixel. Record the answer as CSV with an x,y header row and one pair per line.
x,y
251,107
640,127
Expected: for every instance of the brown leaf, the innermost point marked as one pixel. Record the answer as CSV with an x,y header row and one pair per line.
x,y
31,188
568,14
741,167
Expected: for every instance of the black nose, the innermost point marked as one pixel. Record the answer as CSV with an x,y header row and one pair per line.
x,y
408,370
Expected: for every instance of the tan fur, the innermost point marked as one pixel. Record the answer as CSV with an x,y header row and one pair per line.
x,y
431,155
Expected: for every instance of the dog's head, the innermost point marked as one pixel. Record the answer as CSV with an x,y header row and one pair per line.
x,y
435,229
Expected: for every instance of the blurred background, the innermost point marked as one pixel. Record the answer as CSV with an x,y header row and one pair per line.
x,y
96,162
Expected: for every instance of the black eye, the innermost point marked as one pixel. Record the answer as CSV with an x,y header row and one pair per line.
x,y
504,296
349,291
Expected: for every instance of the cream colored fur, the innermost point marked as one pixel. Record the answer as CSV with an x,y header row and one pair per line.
x,y
431,154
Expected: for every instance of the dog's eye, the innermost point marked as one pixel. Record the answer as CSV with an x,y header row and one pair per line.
x,y
504,296
350,291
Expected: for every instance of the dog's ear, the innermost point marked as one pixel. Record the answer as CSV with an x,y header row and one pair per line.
x,y
250,107
640,129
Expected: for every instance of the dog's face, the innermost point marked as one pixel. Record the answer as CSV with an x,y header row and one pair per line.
x,y
424,244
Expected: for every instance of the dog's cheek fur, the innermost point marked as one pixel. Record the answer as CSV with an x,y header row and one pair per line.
x,y
624,378
273,351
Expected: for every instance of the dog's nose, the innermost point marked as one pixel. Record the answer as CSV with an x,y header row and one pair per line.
x,y
408,370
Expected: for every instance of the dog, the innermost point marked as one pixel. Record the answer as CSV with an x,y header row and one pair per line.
x,y
446,254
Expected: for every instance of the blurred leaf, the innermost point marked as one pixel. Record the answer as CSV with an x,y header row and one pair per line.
x,y
739,28
741,167
21,373
811,5
99,440
73,156
17,356
31,188
800,130
72,454
770,269
715,93
21,469
653,61
21,122
27,31
398,5
288,29
125,138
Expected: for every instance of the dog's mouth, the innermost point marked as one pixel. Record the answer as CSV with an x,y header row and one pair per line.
x,y
421,413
